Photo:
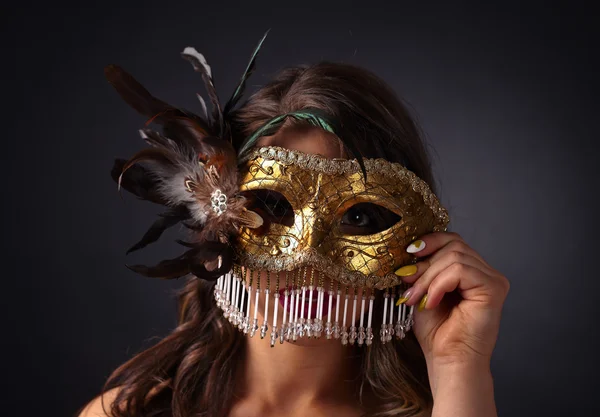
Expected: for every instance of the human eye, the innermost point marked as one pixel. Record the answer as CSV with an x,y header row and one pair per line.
x,y
367,219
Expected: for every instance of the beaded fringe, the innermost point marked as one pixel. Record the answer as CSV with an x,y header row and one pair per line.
x,y
239,295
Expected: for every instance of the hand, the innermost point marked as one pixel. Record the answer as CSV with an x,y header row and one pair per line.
x,y
459,298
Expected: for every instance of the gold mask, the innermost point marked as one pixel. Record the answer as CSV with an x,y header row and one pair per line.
x,y
321,192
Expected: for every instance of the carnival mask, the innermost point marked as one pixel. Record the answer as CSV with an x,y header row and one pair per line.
x,y
323,215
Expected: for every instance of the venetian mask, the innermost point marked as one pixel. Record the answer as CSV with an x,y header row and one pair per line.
x,y
324,221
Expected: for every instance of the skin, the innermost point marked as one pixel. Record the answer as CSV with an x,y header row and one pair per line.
x,y
457,330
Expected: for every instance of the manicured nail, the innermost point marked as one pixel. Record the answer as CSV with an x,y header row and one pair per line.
x,y
405,297
406,271
416,246
423,302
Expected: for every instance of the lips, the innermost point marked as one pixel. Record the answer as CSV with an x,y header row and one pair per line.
x,y
313,306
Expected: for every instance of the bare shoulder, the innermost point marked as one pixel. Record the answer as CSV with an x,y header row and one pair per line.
x,y
95,407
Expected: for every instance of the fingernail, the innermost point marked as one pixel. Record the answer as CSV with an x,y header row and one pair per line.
x,y
405,297
423,302
406,271
416,246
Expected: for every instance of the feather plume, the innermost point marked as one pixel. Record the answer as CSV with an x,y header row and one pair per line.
x,y
237,94
191,168
166,220
200,65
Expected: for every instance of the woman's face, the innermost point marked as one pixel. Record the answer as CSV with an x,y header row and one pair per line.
x,y
309,140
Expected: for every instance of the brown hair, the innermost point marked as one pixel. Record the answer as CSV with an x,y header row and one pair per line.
x,y
192,370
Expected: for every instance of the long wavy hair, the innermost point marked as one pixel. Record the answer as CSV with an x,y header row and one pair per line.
x,y
191,372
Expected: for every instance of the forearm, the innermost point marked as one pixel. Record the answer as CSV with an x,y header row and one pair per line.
x,y
463,391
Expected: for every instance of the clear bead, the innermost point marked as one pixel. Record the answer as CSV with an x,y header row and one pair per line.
x,y
399,330
409,323
353,335
308,328
336,330
383,334
300,328
263,330
318,328
273,337
253,327
245,325
328,330
218,298
389,333
283,332
361,336
369,337
344,338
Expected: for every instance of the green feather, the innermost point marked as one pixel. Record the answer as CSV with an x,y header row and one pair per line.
x,y
237,94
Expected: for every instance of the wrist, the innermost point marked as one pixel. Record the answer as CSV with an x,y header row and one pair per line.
x,y
462,389
458,372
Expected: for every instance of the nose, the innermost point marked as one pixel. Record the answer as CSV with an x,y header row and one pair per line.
x,y
312,225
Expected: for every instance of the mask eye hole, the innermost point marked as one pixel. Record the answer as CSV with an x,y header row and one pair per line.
x,y
367,219
271,205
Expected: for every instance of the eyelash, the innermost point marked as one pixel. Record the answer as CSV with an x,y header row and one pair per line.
x,y
378,217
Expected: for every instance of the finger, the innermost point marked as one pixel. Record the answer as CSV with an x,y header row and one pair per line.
x,y
410,273
464,278
431,269
431,243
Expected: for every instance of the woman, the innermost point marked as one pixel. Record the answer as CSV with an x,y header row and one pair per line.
x,y
208,367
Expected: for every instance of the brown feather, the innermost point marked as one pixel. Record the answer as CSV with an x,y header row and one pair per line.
x,y
151,154
166,220
138,181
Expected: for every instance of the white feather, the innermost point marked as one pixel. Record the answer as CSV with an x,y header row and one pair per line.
x,y
198,213
191,51
172,188
203,104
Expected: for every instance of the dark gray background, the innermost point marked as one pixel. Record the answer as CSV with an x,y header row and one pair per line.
x,y
505,94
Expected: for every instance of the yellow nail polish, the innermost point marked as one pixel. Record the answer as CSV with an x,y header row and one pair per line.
x,y
423,302
404,297
401,301
406,271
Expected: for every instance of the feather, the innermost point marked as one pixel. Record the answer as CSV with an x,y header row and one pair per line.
x,y
166,220
157,140
138,181
151,154
238,92
133,92
200,270
193,259
200,65
252,219
187,129
184,243
186,126
203,106
167,269
186,167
